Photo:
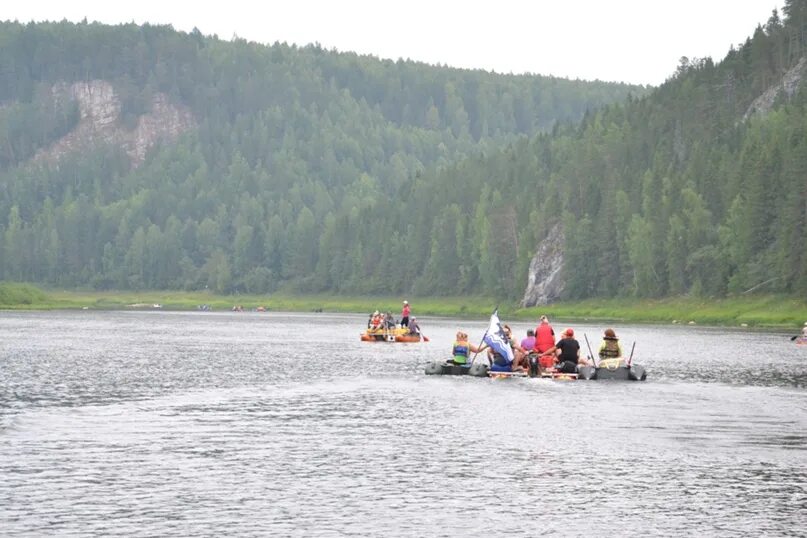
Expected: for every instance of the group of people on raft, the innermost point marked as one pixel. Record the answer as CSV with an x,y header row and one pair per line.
x,y
379,322
539,347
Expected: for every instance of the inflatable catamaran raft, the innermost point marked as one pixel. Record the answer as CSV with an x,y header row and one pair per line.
x,y
614,369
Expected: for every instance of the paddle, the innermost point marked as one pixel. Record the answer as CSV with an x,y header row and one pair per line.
x,y
631,353
420,333
792,338
591,354
479,347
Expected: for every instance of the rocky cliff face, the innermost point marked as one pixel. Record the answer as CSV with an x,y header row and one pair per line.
x,y
544,282
100,110
787,86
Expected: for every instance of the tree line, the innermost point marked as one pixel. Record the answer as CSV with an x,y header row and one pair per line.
x,y
319,171
295,148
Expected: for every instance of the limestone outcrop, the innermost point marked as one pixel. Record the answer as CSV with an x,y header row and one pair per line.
x,y
544,281
787,87
99,123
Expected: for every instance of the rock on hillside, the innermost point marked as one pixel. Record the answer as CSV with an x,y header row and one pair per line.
x,y
99,123
544,281
788,86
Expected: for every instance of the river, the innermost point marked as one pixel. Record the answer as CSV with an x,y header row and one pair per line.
x,y
274,424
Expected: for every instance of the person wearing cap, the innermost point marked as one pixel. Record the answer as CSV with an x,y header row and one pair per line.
x,y
568,352
414,328
405,314
610,348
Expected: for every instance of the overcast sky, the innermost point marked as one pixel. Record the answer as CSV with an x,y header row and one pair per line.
x,y
638,41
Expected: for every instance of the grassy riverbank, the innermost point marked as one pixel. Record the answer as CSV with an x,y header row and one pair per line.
x,y
758,310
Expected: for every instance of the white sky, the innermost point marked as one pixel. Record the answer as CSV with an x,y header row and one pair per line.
x,y
638,41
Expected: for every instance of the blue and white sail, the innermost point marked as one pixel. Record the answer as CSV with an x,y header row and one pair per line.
x,y
496,339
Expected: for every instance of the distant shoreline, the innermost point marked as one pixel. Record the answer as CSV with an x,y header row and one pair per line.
x,y
774,311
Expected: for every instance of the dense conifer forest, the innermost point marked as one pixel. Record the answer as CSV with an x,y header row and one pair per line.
x,y
312,170
283,179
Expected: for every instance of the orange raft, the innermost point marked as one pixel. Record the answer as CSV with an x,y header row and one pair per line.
x,y
389,335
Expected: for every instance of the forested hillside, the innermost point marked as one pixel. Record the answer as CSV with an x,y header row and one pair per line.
x,y
317,171
138,156
698,188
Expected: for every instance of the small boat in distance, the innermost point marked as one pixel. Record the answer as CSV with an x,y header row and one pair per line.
x,y
397,334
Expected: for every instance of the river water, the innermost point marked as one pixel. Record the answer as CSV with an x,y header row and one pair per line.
x,y
272,424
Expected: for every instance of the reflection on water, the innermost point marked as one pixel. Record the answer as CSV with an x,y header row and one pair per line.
x,y
178,424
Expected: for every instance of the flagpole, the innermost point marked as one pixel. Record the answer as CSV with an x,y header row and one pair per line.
x,y
479,347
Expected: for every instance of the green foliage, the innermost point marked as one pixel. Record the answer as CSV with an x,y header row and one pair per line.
x,y
310,170
15,294
679,192
306,169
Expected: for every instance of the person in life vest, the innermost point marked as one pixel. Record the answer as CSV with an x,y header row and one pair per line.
x,y
533,357
405,314
804,331
376,320
610,348
462,349
544,338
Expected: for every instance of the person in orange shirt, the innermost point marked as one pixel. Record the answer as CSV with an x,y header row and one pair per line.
x,y
376,321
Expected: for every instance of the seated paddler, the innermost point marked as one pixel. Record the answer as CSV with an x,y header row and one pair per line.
x,y
610,351
462,349
501,353
568,352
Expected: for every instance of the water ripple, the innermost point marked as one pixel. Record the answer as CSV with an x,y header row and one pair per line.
x,y
161,424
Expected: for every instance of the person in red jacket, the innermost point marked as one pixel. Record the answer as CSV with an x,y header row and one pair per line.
x,y
544,337
545,344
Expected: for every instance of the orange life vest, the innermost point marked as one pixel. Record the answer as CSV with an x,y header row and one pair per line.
x,y
544,337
